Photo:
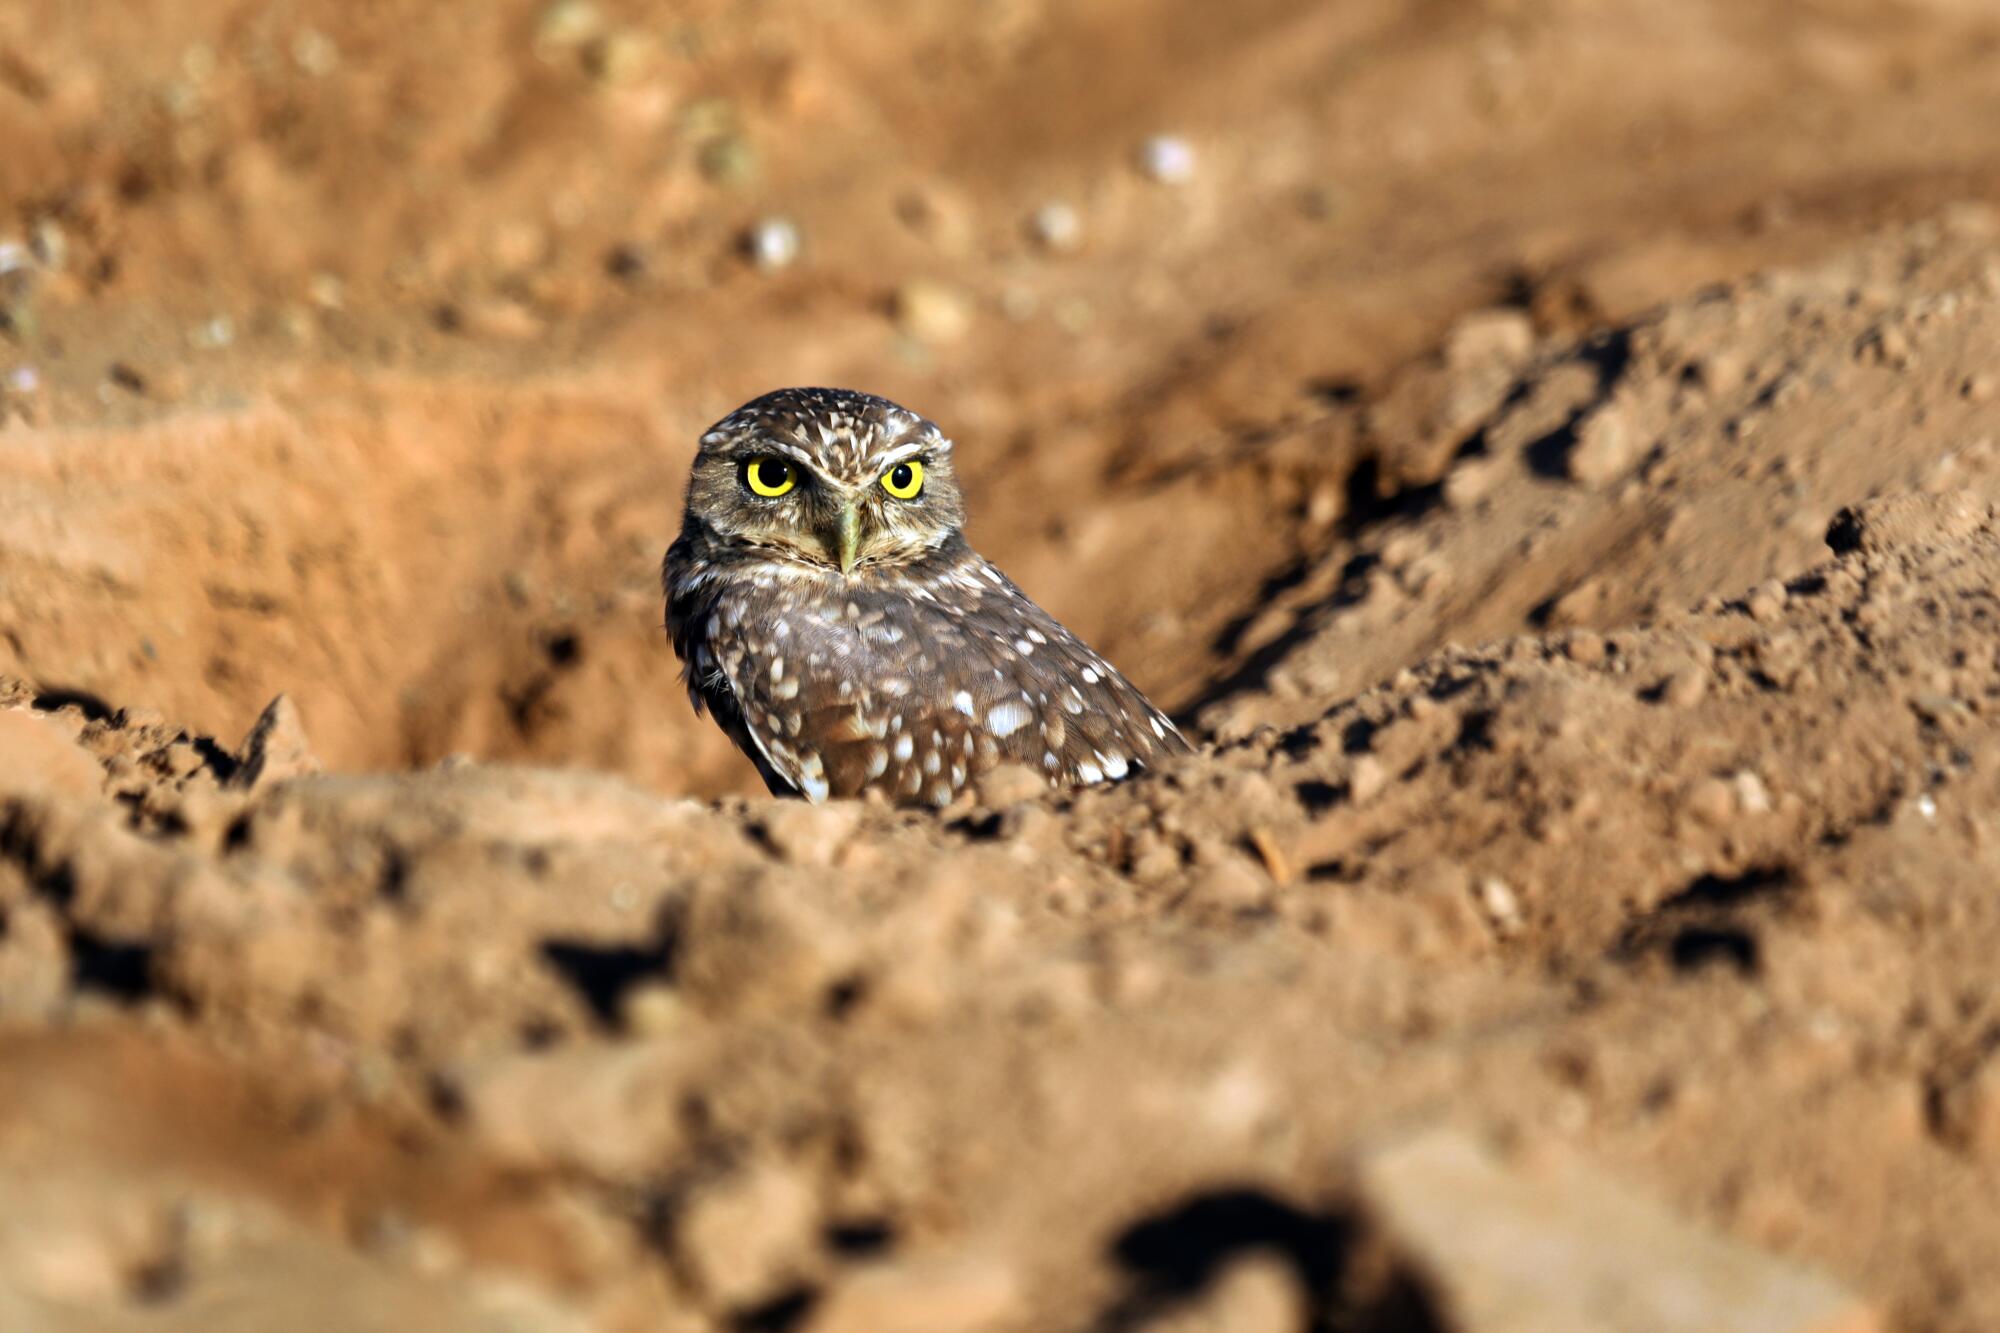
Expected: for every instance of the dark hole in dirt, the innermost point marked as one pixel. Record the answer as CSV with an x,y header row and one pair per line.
x,y
237,836
1843,535
779,1315
1336,870
1608,355
861,1238
57,885
1475,731
991,826
446,1099
1720,891
1230,636
563,649
159,1280
220,762
604,973
1371,503
1298,743
1319,797
1696,947
1251,673
1706,922
111,967
539,1032
1335,390
55,700
1358,736
843,995
1170,1257
393,884
625,263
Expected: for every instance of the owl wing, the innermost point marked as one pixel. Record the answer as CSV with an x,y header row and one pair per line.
x,y
916,695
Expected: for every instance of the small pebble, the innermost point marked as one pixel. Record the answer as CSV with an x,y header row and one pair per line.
x,y
773,244
1585,648
1009,784
1766,601
728,160
1752,797
565,25
1501,904
315,53
1469,482
1366,780
1606,446
1686,687
1712,800
931,311
1167,159
1056,227
326,291
217,332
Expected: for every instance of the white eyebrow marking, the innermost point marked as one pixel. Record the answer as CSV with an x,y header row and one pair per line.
x,y
792,451
902,454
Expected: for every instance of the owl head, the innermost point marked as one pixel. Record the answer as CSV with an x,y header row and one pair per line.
x,y
826,477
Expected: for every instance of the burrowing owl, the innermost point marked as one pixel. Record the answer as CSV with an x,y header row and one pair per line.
x,y
827,610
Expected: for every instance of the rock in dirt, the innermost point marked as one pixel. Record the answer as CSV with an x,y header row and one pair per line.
x,y
603,1110
37,758
747,1236
1906,520
1256,1294
1606,446
807,834
275,749
1552,1244
947,1294
1009,784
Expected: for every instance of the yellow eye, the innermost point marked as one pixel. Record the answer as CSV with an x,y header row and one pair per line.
x,y
905,481
770,477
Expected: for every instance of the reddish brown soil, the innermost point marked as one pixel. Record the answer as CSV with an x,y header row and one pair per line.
x,y
1547,451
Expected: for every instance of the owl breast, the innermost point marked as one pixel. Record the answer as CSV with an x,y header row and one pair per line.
x,y
909,684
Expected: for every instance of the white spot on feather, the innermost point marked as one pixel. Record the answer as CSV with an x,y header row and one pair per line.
x,y
1004,719
962,702
1090,772
903,749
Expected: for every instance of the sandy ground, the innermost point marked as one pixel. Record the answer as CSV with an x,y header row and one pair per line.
x,y
1547,451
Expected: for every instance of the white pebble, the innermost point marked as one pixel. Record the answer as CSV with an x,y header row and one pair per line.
x,y
1167,159
1056,226
773,243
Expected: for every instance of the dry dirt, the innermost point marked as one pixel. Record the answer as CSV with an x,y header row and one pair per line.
x,y
1548,450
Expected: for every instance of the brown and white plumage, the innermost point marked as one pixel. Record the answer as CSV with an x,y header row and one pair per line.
x,y
849,640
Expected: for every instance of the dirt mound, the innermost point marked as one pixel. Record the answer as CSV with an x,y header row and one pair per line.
x,y
1701,898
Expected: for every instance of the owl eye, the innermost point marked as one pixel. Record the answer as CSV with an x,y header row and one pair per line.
x,y
770,477
905,481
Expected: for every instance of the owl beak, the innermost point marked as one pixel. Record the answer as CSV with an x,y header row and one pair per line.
x,y
850,538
